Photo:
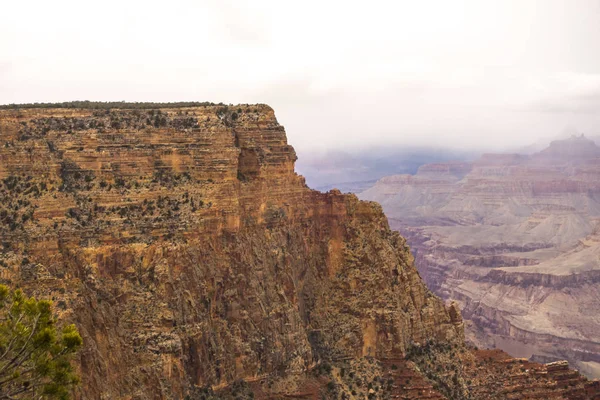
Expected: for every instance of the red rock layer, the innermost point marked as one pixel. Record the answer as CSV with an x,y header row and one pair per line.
x,y
189,253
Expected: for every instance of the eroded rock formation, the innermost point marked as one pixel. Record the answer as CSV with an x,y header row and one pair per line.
x,y
195,261
515,240
188,251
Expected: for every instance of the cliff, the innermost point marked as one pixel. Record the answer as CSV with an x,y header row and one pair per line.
x,y
195,262
188,251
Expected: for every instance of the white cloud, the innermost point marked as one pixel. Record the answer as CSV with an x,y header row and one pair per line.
x,y
411,72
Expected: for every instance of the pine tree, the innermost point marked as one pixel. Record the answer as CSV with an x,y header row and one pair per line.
x,y
35,354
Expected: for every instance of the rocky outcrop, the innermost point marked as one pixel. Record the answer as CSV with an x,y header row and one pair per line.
x,y
515,242
189,253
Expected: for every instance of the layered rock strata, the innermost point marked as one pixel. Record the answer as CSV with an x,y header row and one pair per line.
x,y
197,264
515,240
189,253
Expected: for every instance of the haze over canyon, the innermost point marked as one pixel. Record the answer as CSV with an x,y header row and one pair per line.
x,y
515,240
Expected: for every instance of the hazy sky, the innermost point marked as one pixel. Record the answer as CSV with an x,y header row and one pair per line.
x,y
338,73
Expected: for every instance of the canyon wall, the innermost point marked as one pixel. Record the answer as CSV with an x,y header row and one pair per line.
x,y
515,240
197,264
188,251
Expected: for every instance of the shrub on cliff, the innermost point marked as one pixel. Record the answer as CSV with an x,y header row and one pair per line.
x,y
35,355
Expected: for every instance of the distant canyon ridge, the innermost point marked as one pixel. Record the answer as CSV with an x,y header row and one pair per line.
x,y
515,239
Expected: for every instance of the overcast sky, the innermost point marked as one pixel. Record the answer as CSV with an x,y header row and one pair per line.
x,y
338,73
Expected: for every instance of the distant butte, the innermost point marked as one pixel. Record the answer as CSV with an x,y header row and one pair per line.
x,y
574,149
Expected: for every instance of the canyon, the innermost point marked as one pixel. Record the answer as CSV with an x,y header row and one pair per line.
x,y
515,240
355,170
197,264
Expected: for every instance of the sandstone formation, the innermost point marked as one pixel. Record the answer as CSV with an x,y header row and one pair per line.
x,y
516,241
197,264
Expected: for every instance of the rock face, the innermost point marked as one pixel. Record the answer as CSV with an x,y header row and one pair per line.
x,y
516,241
188,252
195,262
